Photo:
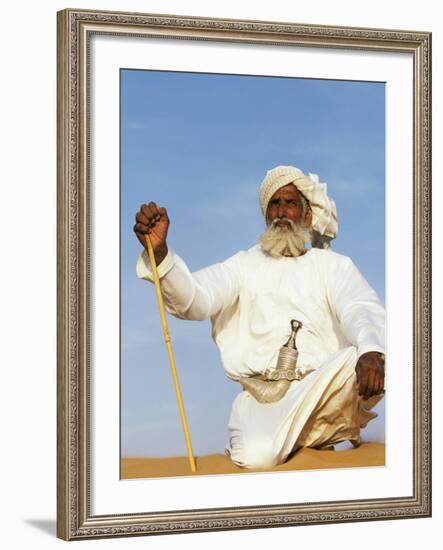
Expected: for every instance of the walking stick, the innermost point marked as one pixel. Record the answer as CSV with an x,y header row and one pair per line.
x,y
170,352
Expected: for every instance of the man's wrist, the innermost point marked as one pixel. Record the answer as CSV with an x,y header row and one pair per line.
x,y
370,356
372,352
160,254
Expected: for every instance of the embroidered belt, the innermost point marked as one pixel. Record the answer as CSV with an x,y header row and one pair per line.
x,y
285,374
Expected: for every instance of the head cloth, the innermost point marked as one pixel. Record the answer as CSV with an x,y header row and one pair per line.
x,y
324,211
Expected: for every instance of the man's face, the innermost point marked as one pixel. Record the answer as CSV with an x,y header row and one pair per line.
x,y
286,203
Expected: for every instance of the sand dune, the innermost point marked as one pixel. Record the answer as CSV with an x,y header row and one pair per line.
x,y
368,454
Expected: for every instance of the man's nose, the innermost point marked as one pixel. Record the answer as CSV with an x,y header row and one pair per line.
x,y
281,210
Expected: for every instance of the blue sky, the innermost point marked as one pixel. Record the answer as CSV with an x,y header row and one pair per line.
x,y
200,144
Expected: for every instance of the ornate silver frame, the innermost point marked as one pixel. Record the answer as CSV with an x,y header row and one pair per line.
x,y
75,28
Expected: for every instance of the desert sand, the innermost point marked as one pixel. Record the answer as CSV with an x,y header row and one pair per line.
x,y
368,454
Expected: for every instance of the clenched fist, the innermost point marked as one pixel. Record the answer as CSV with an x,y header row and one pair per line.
x,y
153,220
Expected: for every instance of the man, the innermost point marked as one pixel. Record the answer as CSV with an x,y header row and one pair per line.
x,y
257,297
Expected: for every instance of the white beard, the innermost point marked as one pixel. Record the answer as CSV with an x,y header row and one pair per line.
x,y
285,241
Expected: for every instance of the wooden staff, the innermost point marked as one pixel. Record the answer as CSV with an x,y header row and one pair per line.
x,y
170,352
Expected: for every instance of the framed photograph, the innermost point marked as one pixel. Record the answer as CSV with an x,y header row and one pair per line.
x,y
193,113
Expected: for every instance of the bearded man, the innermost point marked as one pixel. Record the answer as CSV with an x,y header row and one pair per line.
x,y
299,328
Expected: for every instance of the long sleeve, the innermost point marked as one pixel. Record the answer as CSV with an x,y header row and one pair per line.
x,y
194,296
360,314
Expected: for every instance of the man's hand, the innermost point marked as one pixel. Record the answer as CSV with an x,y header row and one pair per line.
x,y
153,220
370,371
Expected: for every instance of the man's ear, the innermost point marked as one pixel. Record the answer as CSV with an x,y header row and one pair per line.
x,y
308,217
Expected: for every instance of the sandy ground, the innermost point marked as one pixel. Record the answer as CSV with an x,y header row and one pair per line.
x,y
368,454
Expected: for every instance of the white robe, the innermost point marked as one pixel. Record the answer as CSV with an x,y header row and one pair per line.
x,y
250,299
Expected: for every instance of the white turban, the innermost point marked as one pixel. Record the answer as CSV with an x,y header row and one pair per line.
x,y
324,211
